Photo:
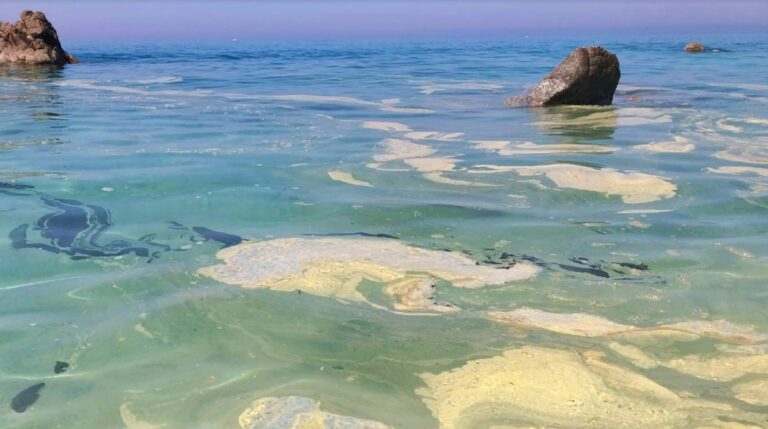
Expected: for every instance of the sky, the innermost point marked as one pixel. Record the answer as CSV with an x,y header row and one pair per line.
x,y
258,20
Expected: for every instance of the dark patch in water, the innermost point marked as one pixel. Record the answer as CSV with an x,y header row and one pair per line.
x,y
26,397
641,266
14,189
358,234
579,264
225,239
175,225
60,367
587,270
74,228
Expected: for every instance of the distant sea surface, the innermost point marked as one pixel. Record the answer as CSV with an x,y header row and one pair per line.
x,y
123,176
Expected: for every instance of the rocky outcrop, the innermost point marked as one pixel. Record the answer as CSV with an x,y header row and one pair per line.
x,y
31,40
694,47
588,76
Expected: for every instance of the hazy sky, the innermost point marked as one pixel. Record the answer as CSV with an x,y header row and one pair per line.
x,y
141,20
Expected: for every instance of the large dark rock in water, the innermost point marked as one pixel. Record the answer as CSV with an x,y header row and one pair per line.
x,y
587,76
31,40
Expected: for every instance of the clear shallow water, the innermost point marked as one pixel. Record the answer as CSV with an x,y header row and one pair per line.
x,y
240,139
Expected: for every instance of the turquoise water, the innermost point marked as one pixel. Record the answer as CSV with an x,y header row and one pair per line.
x,y
240,139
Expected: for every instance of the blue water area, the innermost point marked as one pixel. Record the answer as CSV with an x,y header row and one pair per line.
x,y
123,176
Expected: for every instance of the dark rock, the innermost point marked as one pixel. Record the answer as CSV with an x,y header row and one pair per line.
x,y
694,47
26,397
224,238
32,40
588,76
60,367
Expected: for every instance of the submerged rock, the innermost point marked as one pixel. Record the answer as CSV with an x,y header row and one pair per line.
x,y
32,40
694,47
60,367
587,76
26,398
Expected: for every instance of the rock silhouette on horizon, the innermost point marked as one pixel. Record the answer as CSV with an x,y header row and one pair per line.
x,y
32,40
588,76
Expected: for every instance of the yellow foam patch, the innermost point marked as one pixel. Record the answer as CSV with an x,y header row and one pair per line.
x,y
543,387
334,267
417,294
632,187
755,392
346,177
587,325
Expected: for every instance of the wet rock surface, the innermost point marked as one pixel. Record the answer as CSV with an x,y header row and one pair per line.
x,y
32,40
588,76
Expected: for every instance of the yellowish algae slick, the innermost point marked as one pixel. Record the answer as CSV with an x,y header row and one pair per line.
x,y
440,177
602,117
346,177
417,156
508,148
740,170
678,144
755,177
399,149
632,187
756,121
747,151
635,116
535,386
334,267
633,354
298,412
432,135
386,126
432,164
755,392
434,169
587,325
720,368
578,324
131,421
417,294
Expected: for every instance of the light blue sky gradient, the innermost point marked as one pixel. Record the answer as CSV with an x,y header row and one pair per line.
x,y
175,20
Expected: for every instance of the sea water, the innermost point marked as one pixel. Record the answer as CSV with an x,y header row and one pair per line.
x,y
124,175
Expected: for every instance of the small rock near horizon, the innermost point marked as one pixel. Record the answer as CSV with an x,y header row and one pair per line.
x,y
694,47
